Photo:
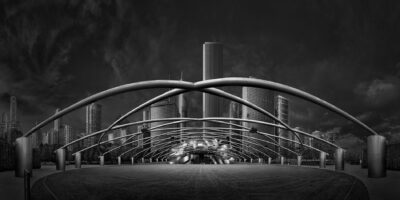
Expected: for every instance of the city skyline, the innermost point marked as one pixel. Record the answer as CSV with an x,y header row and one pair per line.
x,y
318,58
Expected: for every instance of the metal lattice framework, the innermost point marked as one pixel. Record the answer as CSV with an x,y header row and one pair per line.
x,y
206,86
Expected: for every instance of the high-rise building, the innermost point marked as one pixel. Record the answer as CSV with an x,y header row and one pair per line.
x,y
212,68
160,110
282,113
264,99
67,135
34,140
12,131
235,111
3,126
13,120
93,124
57,133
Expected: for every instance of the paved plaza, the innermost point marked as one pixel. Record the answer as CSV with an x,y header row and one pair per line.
x,y
187,180
199,182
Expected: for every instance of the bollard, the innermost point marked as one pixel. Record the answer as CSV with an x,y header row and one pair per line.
x,y
299,160
27,185
78,160
322,159
101,160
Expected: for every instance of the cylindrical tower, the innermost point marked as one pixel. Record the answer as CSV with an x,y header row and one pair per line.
x,y
212,68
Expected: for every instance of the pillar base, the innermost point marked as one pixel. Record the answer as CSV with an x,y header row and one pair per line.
x,y
376,151
23,152
101,160
78,160
299,160
322,159
60,159
339,159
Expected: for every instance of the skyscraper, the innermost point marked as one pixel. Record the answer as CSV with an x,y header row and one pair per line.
x,y
160,110
264,99
93,124
3,126
13,112
67,135
282,113
57,134
212,68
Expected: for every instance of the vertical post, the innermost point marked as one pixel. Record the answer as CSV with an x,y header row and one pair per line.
x,y
78,159
251,160
339,159
132,160
60,159
101,160
260,160
322,159
282,160
376,156
269,160
150,160
299,158
27,185
119,160
142,160
23,161
156,159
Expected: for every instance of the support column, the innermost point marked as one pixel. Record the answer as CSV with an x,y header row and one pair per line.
x,y
23,152
269,160
376,151
78,160
299,160
132,160
322,159
101,160
150,160
60,159
282,160
251,160
157,160
119,160
260,160
142,160
339,159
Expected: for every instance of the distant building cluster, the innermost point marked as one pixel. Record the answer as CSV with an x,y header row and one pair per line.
x,y
9,126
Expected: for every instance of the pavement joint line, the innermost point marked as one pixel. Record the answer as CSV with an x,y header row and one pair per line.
x,y
48,189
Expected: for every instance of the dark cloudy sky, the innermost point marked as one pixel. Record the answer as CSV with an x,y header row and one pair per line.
x,y
55,52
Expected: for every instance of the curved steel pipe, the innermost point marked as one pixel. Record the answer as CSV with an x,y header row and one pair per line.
x,y
233,81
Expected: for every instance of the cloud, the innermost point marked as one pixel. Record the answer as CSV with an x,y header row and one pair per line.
x,y
379,92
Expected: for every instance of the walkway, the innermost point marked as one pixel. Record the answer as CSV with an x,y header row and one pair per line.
x,y
11,188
